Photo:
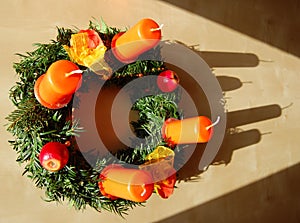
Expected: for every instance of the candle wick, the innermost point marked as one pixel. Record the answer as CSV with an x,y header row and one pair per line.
x,y
74,72
156,29
213,124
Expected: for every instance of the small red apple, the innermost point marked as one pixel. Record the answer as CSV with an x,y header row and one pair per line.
x,y
94,39
54,156
167,81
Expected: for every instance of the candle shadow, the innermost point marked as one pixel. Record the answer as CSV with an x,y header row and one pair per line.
x,y
229,59
224,59
229,83
251,115
235,141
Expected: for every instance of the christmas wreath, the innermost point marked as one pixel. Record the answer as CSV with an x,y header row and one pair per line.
x,y
51,80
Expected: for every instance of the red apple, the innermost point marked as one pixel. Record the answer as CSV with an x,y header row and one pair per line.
x,y
54,156
167,81
94,39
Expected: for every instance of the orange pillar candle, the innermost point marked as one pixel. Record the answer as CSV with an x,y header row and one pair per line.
x,y
55,88
130,184
191,130
143,36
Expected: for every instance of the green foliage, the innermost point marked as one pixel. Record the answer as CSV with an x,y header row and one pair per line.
x,y
33,125
102,27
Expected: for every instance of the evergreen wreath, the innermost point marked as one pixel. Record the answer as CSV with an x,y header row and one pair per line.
x,y
34,125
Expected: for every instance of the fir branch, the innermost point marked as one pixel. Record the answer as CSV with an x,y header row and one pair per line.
x,y
102,27
64,35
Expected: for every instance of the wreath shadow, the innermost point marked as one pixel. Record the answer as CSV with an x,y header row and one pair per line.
x,y
235,138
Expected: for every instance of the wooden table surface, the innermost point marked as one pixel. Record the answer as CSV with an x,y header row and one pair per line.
x,y
253,49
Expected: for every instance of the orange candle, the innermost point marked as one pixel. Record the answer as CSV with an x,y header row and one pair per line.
x,y
191,130
130,184
143,36
55,88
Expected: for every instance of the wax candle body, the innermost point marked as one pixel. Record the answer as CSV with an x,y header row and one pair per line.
x,y
130,184
55,88
190,130
143,36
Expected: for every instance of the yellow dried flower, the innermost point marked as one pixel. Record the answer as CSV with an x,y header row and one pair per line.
x,y
80,53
